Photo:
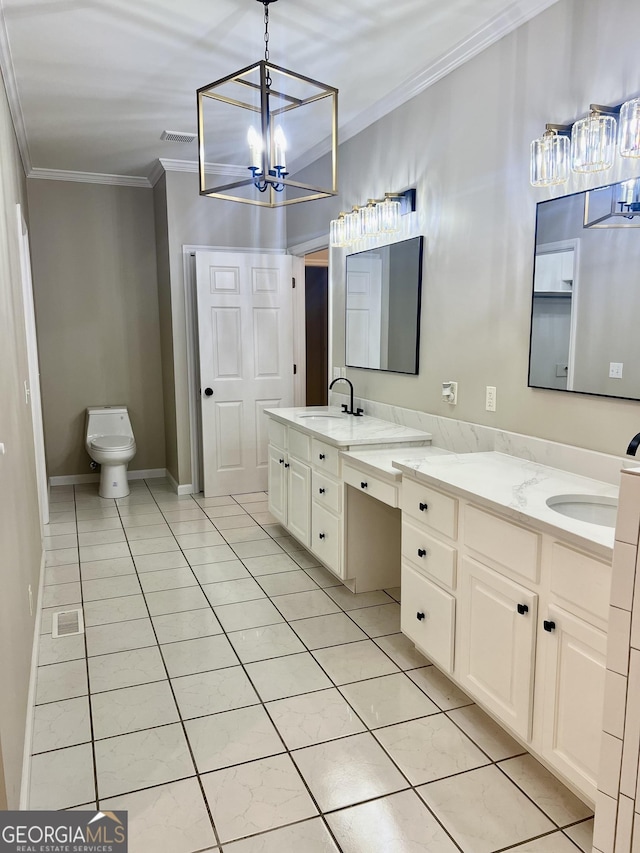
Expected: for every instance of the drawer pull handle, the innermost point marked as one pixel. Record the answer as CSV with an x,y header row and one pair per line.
x,y
423,507
321,491
548,625
364,485
420,616
286,464
422,552
522,609
282,461
321,535
321,456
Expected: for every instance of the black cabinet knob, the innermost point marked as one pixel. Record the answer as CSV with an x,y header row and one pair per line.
x,y
423,507
548,625
286,464
422,552
420,616
364,485
321,535
522,609
208,392
282,461
321,491
321,456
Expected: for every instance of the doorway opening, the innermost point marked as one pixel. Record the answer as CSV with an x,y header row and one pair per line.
x,y
316,283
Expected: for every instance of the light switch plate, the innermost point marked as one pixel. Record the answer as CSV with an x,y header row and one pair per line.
x,y
490,399
615,370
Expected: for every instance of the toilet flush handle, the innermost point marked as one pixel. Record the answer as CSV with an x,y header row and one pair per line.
x,y
208,392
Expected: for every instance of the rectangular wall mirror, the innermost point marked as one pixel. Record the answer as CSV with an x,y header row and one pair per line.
x,y
586,293
383,292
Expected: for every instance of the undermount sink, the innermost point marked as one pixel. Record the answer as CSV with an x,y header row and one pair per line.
x,y
321,416
592,508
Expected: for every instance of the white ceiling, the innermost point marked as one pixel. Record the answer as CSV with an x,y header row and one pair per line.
x,y
93,83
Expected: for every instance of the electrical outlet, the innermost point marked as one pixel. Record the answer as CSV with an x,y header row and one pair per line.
x,y
30,601
490,399
615,370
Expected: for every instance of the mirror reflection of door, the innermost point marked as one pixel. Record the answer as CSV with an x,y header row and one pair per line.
x,y
364,347
554,315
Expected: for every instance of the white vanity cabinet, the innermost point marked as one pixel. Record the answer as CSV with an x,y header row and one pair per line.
x,y
290,481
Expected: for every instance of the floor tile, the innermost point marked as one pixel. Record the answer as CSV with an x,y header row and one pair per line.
x,y
304,605
158,562
104,552
60,649
168,819
439,688
61,681
96,590
184,514
120,637
245,534
101,537
323,577
132,709
60,594
187,625
126,669
85,512
377,621
290,545
554,843
386,700
60,528
354,662
430,748
142,759
484,811
212,692
230,570
55,543
62,779
287,676
61,517
352,601
159,545
545,790
146,520
276,531
249,497
400,823
232,737
313,718
232,592
489,736
256,797
233,521
201,525
91,525
115,610
257,548
61,724
248,614
271,564
199,655
107,568
582,835
223,500
147,531
257,506
208,539
175,600
63,557
323,631
167,579
270,641
225,511
347,771
304,559
286,583
209,554
395,593
310,836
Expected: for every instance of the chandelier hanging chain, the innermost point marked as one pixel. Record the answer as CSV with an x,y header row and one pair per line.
x,y
266,39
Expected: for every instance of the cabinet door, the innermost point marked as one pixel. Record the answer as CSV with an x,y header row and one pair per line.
x,y
299,500
497,644
573,697
326,537
427,617
278,484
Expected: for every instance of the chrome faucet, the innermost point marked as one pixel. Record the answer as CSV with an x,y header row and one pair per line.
x,y
633,445
349,411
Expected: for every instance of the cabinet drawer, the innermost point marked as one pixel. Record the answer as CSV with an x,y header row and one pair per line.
x,y
427,616
378,489
299,444
432,556
431,507
503,542
277,433
326,537
327,491
582,582
325,457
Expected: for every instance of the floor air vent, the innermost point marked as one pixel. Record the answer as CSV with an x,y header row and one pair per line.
x,y
66,623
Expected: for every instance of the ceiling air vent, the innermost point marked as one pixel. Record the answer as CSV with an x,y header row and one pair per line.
x,y
177,136
66,623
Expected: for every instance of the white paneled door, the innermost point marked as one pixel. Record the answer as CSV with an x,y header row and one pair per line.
x,y
246,363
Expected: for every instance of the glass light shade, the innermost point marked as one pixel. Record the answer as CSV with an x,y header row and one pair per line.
x,y
389,216
337,233
593,143
353,223
630,128
549,160
371,219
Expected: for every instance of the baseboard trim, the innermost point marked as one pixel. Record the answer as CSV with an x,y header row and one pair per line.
x,y
78,479
31,696
186,489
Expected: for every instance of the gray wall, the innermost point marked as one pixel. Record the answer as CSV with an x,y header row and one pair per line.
x,y
464,143
95,283
20,540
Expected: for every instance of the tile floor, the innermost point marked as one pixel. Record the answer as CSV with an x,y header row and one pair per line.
x,y
233,696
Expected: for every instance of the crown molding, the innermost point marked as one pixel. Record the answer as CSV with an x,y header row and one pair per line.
x,y
13,98
89,178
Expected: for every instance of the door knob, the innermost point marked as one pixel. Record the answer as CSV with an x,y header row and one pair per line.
x,y
208,392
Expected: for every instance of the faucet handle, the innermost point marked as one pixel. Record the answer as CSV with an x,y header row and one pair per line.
x,y
345,408
359,412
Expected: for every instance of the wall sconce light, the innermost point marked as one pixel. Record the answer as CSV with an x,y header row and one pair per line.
x,y
593,143
377,217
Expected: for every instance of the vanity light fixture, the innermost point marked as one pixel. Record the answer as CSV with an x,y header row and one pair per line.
x,y
593,140
550,157
377,217
279,107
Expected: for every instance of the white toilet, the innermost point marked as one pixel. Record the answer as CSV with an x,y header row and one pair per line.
x,y
110,441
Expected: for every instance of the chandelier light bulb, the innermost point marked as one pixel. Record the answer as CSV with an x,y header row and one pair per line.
x,y
256,147
279,149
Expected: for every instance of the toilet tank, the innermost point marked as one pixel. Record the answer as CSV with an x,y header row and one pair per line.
x,y
108,420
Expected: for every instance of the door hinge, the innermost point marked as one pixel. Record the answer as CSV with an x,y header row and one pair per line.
x,y
295,369
293,283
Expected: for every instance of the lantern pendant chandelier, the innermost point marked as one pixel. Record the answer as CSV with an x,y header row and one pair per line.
x,y
254,115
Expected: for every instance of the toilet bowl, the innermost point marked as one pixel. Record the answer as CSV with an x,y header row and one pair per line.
x,y
110,442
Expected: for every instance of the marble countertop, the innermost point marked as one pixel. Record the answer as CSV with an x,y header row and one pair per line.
x,y
346,430
380,462
517,488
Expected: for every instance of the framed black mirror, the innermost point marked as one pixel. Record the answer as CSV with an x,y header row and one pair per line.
x,y
383,294
586,293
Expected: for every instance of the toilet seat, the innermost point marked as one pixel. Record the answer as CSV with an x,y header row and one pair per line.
x,y
112,442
